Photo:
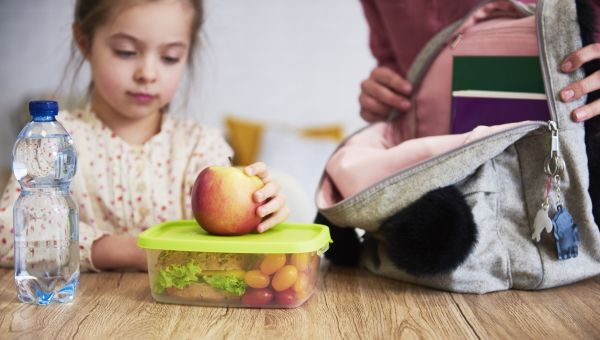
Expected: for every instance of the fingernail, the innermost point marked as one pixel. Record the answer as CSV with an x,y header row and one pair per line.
x,y
566,67
405,105
259,196
249,171
567,94
407,88
580,115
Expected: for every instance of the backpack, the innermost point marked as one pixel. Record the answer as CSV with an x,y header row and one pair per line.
x,y
496,208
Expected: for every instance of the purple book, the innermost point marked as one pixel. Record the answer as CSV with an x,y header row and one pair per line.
x,y
472,108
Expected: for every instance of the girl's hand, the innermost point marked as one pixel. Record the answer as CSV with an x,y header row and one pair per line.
x,y
273,209
584,86
382,92
118,252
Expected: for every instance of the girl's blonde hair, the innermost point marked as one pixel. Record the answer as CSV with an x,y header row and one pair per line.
x,y
89,14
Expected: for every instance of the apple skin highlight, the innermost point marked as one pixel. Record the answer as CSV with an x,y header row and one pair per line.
x,y
222,201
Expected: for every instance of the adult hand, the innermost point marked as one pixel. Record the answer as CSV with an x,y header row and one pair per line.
x,y
584,86
273,209
384,91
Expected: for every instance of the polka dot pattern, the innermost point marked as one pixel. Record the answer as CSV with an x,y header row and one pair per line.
x,y
121,188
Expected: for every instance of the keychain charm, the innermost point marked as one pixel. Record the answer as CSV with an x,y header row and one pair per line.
x,y
542,220
566,233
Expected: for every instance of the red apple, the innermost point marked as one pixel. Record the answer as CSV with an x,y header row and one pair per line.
x,y
222,201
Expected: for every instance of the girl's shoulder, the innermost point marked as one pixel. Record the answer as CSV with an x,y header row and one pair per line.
x,y
75,121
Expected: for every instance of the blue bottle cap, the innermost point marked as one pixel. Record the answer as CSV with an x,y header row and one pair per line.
x,y
43,110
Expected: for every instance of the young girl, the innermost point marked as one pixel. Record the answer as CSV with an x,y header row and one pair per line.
x,y
136,163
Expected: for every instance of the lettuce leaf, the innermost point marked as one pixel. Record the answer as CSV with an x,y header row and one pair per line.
x,y
176,275
228,283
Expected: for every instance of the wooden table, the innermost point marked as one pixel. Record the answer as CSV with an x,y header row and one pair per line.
x,y
350,304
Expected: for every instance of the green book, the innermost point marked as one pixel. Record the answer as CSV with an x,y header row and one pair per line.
x,y
497,73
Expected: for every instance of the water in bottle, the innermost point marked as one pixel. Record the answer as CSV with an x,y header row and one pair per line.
x,y
45,216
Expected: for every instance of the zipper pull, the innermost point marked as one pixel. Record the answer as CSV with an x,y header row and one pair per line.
x,y
565,230
456,41
554,164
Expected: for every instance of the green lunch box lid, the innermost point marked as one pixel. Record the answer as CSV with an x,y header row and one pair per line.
x,y
282,238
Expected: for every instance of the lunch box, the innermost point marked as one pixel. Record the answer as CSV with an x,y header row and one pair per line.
x,y
275,269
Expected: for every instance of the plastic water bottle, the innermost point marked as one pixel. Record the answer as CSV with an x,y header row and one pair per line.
x,y
45,216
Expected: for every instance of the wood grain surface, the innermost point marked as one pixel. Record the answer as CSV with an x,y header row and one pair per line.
x,y
350,304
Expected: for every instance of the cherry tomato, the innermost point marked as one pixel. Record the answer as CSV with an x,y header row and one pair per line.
x,y
301,261
257,297
302,286
284,278
286,298
272,263
256,279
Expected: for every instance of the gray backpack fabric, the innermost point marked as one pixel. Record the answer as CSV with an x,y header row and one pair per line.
x,y
499,180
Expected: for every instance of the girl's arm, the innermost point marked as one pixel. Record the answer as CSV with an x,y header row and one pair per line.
x,y
88,235
117,252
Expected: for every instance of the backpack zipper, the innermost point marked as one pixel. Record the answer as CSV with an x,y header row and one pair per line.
x,y
527,127
544,64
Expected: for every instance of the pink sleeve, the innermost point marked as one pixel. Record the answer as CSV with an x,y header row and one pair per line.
x,y
596,4
378,36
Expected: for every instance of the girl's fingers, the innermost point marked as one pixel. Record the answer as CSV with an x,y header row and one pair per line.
x,y
269,190
278,217
580,57
275,204
586,111
259,169
581,87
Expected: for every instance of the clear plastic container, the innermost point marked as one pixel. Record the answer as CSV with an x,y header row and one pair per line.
x,y
276,269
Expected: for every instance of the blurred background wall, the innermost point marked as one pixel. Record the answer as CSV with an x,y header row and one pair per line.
x,y
283,66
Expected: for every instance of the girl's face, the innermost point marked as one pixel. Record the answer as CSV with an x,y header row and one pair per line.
x,y
138,57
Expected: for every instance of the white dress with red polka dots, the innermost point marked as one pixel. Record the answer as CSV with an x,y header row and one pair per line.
x,y
124,189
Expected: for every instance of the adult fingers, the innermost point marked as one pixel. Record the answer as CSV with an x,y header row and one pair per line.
x,y
582,87
372,109
392,80
383,94
371,117
580,57
586,111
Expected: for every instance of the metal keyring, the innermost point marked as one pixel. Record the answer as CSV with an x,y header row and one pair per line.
x,y
553,165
